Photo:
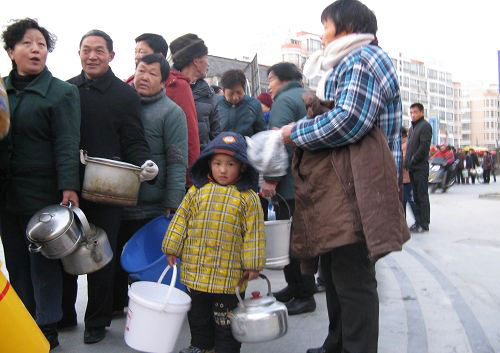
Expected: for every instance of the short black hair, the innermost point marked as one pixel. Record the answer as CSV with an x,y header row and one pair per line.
x,y
286,72
351,16
404,131
155,42
99,33
419,106
232,78
14,33
160,59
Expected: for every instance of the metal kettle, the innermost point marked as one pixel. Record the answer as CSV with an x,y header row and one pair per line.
x,y
259,318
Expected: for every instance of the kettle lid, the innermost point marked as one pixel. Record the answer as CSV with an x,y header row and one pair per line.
x,y
258,300
49,223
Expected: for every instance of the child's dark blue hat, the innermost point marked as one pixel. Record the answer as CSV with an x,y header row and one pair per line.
x,y
229,143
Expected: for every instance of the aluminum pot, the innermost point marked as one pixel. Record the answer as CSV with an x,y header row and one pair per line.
x,y
93,253
55,232
259,319
110,182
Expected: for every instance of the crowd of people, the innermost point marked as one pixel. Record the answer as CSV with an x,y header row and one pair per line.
x,y
348,166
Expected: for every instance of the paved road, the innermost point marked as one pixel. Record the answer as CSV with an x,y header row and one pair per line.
x,y
441,294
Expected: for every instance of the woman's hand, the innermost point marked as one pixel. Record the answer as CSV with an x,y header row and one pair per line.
x,y
172,260
268,189
70,196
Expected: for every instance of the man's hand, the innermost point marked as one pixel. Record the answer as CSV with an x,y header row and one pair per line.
x,y
172,260
286,133
70,196
268,189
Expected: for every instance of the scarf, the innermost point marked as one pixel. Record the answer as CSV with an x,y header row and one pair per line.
x,y
322,62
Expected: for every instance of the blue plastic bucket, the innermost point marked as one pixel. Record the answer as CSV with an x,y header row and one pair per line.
x,y
142,257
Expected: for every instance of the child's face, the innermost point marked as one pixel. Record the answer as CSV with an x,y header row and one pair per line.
x,y
225,169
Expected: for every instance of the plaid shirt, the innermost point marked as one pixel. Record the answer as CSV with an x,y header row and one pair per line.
x,y
365,89
218,232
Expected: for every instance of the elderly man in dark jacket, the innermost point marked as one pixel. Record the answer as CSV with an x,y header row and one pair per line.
x,y
190,57
417,157
111,128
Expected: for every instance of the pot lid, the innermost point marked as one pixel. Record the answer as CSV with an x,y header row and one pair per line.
x,y
113,163
258,300
49,223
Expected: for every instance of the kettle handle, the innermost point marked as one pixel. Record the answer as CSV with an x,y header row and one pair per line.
x,y
83,157
34,249
242,280
83,219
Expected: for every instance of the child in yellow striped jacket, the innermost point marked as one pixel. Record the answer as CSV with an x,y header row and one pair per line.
x,y
218,232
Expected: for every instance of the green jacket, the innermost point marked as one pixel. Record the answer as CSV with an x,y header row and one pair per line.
x,y
245,118
39,158
165,129
288,107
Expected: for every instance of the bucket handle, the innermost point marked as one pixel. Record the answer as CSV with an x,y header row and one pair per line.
x,y
287,206
237,290
172,281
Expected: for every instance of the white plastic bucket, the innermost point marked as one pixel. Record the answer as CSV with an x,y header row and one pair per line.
x,y
156,313
277,243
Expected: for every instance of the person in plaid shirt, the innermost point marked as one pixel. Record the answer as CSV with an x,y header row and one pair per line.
x,y
218,232
359,81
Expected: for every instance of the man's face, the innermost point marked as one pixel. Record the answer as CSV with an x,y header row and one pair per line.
x,y
141,50
416,114
95,56
234,95
147,80
201,65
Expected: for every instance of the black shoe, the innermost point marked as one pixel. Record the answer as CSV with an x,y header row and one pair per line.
x,y
420,229
301,306
284,295
316,350
94,334
66,323
50,332
414,227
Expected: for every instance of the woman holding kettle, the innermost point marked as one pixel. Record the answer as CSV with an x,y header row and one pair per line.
x,y
39,165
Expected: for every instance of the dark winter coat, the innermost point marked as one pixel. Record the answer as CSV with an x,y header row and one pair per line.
x,y
245,118
347,195
471,161
288,107
39,157
111,124
165,129
419,143
487,162
206,111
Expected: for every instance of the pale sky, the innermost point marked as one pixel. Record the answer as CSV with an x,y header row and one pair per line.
x,y
463,36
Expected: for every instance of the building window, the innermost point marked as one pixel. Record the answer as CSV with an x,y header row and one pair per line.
x,y
414,84
442,102
432,74
405,96
442,89
414,97
423,85
433,87
406,67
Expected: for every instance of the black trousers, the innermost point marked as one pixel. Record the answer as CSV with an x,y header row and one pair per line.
x,y
120,287
351,299
302,286
460,176
100,283
36,279
420,184
486,176
209,322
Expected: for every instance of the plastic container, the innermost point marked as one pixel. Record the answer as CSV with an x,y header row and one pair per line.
x,y
156,313
142,257
18,331
278,241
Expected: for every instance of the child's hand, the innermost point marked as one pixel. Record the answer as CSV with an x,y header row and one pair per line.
x,y
250,275
172,260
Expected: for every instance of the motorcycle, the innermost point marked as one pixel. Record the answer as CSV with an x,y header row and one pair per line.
x,y
438,170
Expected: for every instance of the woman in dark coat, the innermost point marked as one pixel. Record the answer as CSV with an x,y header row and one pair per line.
x,y
39,165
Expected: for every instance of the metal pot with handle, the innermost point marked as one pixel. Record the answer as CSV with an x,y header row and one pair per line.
x,y
109,181
93,253
259,318
55,232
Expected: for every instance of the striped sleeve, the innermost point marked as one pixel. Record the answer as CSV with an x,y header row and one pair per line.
x,y
254,242
177,229
359,100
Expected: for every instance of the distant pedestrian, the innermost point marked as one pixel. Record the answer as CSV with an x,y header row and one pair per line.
x,y
471,163
494,165
460,168
416,161
266,102
487,165
407,188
